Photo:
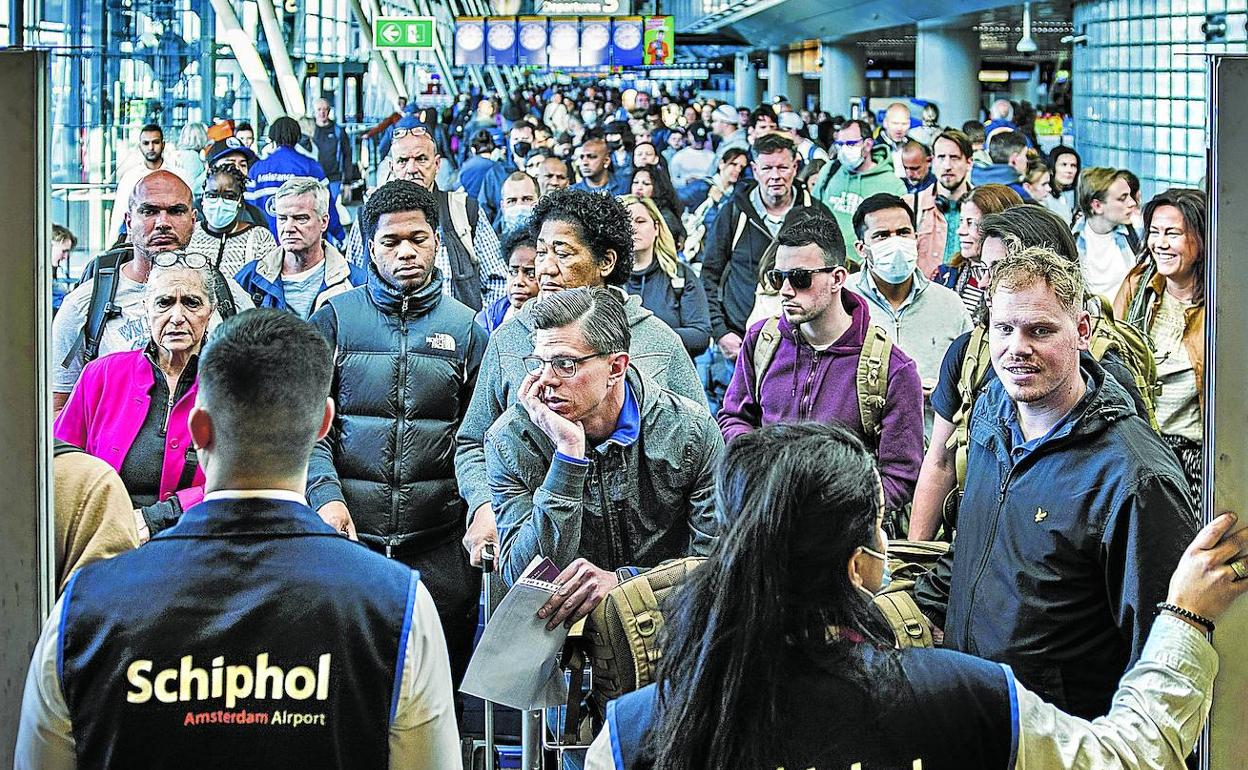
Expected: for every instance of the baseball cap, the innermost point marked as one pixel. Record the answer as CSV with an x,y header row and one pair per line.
x,y
227,146
697,132
726,114
791,121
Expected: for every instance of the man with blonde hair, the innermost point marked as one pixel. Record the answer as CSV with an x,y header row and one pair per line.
x,y
1075,513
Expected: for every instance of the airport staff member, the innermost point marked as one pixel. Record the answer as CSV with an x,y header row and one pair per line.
x,y
252,633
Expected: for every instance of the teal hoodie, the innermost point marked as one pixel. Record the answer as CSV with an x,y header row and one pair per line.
x,y
844,191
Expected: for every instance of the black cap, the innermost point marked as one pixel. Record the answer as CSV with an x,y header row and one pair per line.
x,y
227,146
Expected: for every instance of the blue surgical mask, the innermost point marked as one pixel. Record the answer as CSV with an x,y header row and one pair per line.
x,y
515,216
220,213
888,571
894,259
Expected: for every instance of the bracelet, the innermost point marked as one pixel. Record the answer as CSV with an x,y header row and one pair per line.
x,y
1174,609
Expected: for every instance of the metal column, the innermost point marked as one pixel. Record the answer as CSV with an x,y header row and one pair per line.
x,y
249,61
376,61
292,92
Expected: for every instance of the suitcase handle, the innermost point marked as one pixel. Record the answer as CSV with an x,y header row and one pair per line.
x,y
489,557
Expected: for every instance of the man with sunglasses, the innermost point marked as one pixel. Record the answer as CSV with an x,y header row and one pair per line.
x,y
597,466
816,346
863,168
160,219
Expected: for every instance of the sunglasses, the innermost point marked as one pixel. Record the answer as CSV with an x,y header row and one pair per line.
x,y
798,278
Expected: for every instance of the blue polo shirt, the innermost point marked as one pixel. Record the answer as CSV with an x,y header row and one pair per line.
x,y
627,428
1020,447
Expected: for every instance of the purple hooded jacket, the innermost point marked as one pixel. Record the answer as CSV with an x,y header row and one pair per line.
x,y
802,385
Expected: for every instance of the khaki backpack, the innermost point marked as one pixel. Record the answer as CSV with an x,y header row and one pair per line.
x,y
1131,347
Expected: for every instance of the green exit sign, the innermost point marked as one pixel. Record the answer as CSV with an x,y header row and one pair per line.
x,y
404,32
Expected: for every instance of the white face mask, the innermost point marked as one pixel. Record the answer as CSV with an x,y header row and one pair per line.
x,y
516,216
851,157
894,259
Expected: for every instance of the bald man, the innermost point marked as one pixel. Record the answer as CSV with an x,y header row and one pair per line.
x,y
893,134
469,255
160,218
333,149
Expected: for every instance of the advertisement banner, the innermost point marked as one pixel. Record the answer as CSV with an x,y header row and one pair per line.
x,y
626,41
500,39
532,49
565,41
469,41
660,40
595,41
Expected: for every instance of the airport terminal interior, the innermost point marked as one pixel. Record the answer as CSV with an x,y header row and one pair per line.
x,y
708,383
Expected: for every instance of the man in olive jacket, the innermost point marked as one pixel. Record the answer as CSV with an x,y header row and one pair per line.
x,y
597,467
405,362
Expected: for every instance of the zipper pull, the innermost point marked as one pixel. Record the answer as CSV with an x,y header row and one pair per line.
x,y
389,551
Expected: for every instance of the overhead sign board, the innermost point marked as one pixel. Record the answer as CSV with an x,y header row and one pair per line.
x,y
578,7
411,32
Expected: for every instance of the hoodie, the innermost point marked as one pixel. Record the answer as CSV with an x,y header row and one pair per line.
x,y
655,350
803,384
1000,173
843,191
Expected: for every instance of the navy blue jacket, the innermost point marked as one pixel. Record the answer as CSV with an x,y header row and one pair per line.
x,y
263,585
685,310
1062,556
405,364
952,711
1000,173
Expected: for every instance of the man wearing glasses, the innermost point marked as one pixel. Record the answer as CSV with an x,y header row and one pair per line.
x,y
815,349
160,219
862,169
596,465
469,255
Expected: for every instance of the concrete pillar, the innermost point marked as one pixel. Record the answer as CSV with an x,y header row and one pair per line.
x,y
946,69
841,77
745,81
777,73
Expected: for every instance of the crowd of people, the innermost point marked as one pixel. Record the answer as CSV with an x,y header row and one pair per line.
x,y
615,328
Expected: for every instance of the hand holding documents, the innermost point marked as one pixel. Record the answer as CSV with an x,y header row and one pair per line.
x,y
516,662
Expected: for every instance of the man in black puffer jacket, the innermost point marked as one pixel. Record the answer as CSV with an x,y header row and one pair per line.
x,y
405,364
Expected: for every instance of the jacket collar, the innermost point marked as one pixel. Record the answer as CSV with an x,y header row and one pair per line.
x,y
251,516
867,286
337,269
853,338
394,301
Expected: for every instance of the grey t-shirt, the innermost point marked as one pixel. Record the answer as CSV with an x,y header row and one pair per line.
x,y
301,290
129,331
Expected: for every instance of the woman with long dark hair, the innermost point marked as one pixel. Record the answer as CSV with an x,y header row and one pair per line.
x,y
1164,297
653,182
774,657
1066,165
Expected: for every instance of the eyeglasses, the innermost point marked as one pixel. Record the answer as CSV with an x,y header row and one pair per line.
x,y
192,259
399,133
564,366
838,143
798,278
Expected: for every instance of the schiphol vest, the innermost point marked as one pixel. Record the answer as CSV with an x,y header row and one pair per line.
x,y
960,716
249,635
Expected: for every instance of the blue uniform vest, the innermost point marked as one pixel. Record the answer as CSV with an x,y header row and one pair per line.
x,y
961,712
249,635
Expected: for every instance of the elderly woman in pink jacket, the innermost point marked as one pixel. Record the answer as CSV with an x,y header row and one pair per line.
x,y
130,409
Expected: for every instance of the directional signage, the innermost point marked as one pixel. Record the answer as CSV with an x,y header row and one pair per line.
x,y
404,32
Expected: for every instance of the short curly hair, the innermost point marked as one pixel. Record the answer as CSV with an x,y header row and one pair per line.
x,y
601,222
398,195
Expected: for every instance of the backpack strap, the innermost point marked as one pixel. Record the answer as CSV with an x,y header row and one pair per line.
x,y
975,363
102,307
872,380
643,622
60,448
742,221
459,221
224,297
764,350
909,625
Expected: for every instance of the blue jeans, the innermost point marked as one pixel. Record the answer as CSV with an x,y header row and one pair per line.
x,y
715,371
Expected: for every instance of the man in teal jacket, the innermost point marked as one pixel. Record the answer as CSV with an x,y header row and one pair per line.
x,y
863,169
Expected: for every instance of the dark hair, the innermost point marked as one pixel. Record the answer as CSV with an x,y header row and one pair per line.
x,y
957,137
1191,206
263,377
819,230
731,154
152,128
285,131
398,195
765,111
664,193
863,128
244,126
538,152
974,131
1003,144
482,142
600,311
799,501
600,220
517,239
236,176
60,233
1133,181
1022,227
1056,153
879,202
769,143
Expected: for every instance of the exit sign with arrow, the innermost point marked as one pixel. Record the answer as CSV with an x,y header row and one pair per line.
x,y
412,32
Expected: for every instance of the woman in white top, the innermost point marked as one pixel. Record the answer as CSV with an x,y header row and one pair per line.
x,y
1164,297
229,239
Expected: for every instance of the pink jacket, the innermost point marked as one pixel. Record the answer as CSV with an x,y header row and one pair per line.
x,y
107,409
